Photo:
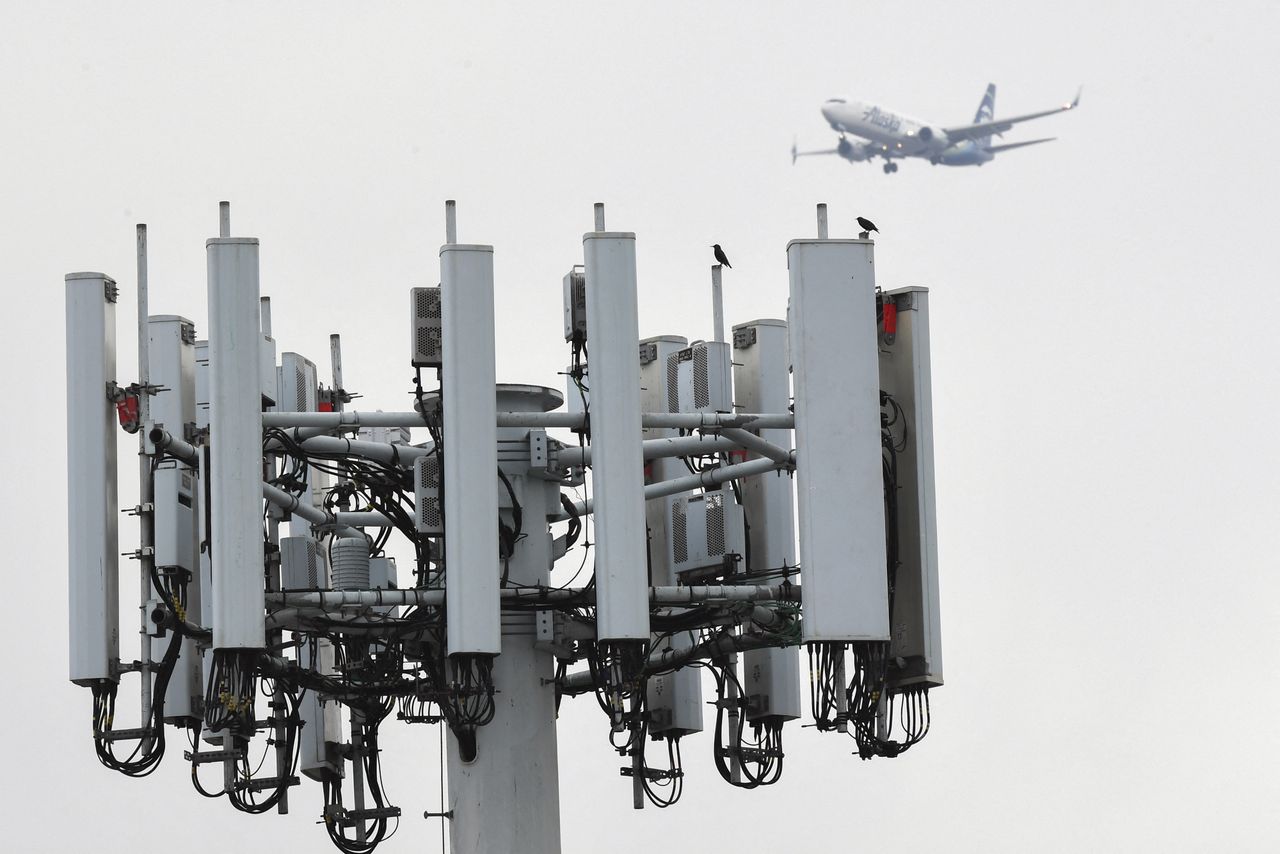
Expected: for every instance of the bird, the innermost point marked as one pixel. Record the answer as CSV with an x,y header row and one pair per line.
x,y
867,225
720,256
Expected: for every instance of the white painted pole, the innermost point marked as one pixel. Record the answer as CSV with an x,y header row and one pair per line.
x,y
507,797
617,466
235,436
92,504
684,420
146,497
717,304
702,480
661,595
471,458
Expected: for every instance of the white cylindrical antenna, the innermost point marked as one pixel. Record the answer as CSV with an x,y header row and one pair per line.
x,y
235,435
717,304
264,307
617,464
335,364
93,577
469,414
822,221
224,219
450,221
599,216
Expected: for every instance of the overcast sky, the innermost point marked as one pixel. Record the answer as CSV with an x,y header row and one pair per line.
x,y
1104,359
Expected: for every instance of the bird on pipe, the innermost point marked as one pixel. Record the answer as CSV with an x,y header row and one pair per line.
x,y
867,225
721,258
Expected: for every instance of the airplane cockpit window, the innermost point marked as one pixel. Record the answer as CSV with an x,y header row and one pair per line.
x,y
835,100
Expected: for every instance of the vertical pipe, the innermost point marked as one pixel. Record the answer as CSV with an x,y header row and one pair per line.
x,y
471,457
146,487
264,306
235,435
450,221
224,219
617,464
357,769
599,216
822,221
837,407
717,304
93,595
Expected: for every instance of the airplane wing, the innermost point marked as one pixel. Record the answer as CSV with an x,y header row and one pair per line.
x,y
996,149
963,132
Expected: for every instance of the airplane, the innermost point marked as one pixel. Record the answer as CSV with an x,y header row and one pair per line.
x,y
894,136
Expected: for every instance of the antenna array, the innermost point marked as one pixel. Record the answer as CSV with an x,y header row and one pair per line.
x,y
275,610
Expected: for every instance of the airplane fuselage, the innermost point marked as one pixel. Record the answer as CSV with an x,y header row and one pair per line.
x,y
892,135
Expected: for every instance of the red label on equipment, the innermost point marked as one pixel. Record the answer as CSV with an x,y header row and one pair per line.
x,y
890,319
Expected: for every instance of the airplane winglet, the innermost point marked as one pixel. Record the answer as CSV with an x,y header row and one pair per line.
x,y
1076,102
793,151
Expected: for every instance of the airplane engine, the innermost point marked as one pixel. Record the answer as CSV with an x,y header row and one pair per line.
x,y
934,140
851,152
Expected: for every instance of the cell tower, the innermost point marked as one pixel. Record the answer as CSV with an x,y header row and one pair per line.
x,y
272,609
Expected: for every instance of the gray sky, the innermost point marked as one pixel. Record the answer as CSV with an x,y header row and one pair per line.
x,y
1104,369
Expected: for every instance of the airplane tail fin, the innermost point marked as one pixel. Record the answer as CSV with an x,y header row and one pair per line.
x,y
986,112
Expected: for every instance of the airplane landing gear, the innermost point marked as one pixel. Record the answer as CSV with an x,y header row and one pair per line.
x,y
890,167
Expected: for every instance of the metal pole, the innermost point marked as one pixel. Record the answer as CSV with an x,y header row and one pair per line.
x,y
450,221
507,797
668,595
686,420
146,499
335,364
652,449
224,219
717,304
599,216
822,221
712,477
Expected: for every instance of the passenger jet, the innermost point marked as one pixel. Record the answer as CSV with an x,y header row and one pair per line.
x,y
894,136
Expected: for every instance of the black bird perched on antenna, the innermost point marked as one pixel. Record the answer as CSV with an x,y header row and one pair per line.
x,y
720,256
867,225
